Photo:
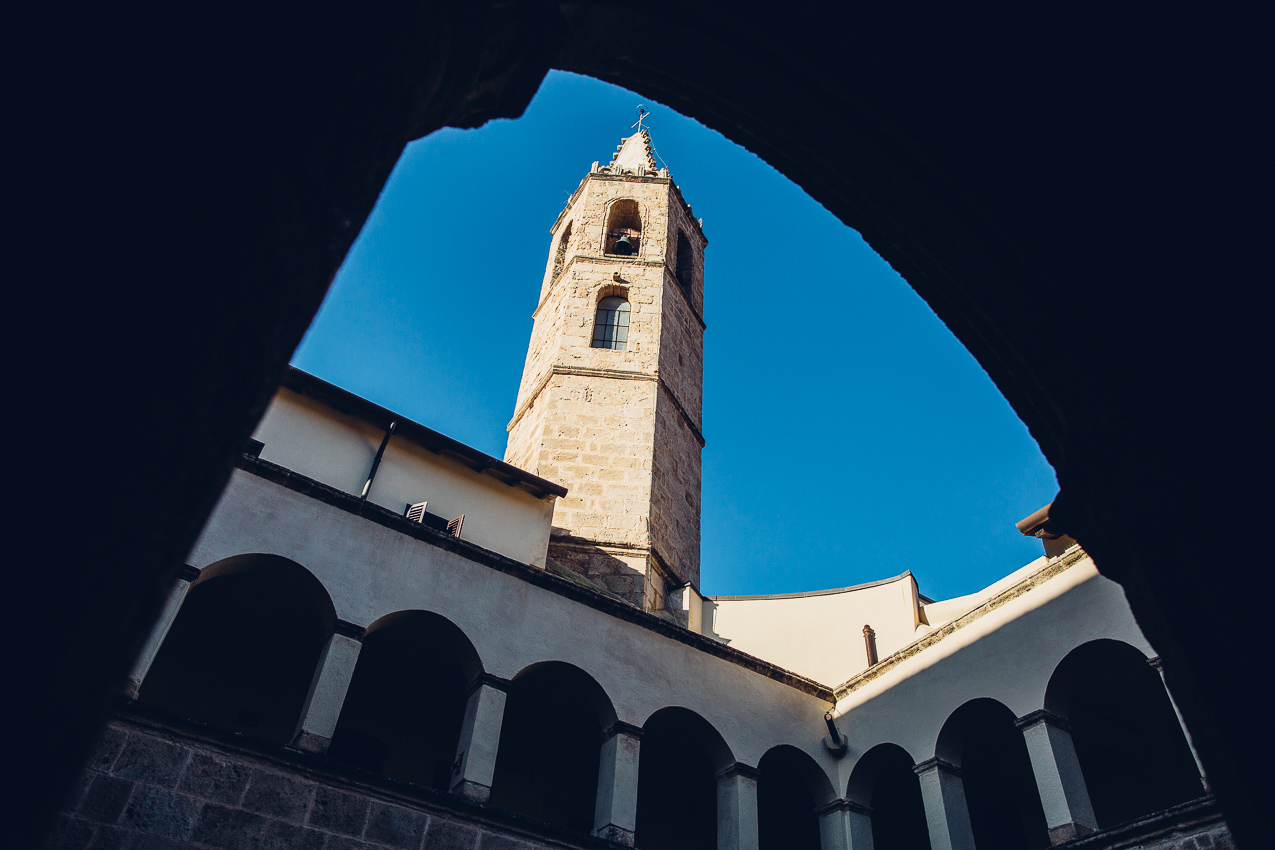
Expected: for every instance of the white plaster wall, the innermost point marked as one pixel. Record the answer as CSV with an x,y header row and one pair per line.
x,y
371,571
1007,655
309,437
819,637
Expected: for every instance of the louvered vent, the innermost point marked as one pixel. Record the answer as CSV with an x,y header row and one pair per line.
x,y
416,512
453,527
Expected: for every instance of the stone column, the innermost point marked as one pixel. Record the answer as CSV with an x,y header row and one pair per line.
x,y
946,815
1204,779
845,825
615,815
475,763
166,617
737,808
328,688
1063,795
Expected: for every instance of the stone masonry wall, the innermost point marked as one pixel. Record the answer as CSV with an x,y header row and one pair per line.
x,y
675,496
150,787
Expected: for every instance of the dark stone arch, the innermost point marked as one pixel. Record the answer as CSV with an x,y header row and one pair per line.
x,y
884,781
624,218
244,647
1132,751
677,786
1005,811
403,712
550,742
790,787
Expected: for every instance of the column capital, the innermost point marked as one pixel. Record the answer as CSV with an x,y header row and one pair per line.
x,y
345,628
842,805
619,727
1039,716
738,769
936,763
188,573
502,685
1155,662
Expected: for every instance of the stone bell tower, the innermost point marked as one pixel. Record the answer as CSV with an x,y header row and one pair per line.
x,y
611,394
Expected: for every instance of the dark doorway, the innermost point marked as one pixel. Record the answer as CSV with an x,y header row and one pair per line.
x,y
677,787
789,789
1132,751
244,647
550,742
1000,787
884,781
402,715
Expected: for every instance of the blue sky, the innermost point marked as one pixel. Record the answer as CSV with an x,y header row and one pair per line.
x,y
850,436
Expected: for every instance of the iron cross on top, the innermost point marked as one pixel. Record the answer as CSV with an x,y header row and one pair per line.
x,y
642,113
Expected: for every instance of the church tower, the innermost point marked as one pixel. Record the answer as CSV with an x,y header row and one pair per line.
x,y
611,395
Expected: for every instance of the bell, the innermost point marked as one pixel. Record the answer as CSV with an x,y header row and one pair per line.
x,y
622,246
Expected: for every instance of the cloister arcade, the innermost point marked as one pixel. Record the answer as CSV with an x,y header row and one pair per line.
x,y
256,647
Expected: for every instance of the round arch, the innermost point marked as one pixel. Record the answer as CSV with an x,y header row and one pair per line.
x,y
1133,754
790,787
403,712
244,647
550,745
1005,811
883,780
681,755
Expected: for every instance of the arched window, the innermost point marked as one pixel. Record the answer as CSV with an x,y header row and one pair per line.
x,y
560,257
403,712
244,648
611,327
1132,752
685,268
624,229
550,745
884,781
789,788
1000,788
677,787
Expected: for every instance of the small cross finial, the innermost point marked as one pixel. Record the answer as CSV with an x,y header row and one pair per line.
x,y
642,112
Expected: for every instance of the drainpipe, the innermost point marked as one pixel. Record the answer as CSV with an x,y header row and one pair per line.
x,y
376,461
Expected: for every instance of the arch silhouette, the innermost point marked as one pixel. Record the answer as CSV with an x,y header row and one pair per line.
x,y
403,711
790,787
1132,751
677,787
244,647
883,780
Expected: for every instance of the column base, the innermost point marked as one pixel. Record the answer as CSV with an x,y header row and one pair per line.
x,y
618,834
472,791
1067,832
310,742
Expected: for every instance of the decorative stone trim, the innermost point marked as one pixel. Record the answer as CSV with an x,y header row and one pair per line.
x,y
490,681
1041,715
738,769
1155,662
345,628
936,763
843,806
619,727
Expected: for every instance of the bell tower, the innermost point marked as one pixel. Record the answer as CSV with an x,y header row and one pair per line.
x,y
611,395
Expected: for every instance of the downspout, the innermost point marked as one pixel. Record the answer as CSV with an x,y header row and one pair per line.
x,y
376,461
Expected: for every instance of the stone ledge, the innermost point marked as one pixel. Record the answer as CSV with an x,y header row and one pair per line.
x,y
1178,828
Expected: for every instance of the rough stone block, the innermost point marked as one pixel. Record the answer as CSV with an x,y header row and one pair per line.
x,y
337,811
339,842
151,760
149,841
107,749
105,799
496,841
281,835
69,833
76,794
160,811
214,778
278,796
448,835
109,838
234,829
395,826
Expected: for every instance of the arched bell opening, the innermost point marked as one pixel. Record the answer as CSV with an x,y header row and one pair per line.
x,y
1005,811
623,236
790,787
550,743
244,648
403,712
684,264
1133,754
883,780
677,786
